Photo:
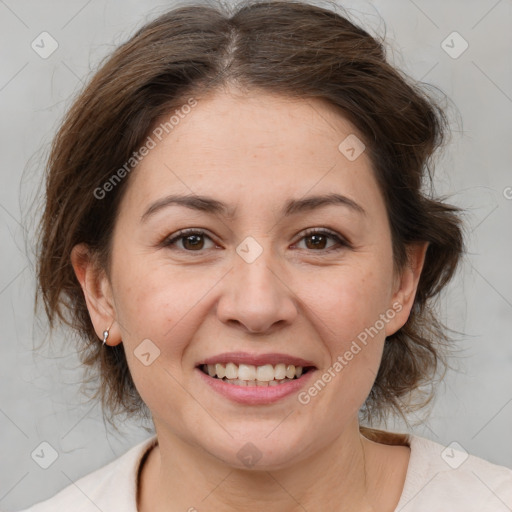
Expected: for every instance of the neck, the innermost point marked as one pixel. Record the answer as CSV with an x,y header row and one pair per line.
x,y
342,476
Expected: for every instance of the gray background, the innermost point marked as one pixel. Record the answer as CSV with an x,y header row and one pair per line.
x,y
39,392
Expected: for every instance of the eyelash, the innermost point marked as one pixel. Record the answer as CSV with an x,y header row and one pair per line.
x,y
342,242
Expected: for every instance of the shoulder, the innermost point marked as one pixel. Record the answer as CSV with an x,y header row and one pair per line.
x,y
448,478
112,487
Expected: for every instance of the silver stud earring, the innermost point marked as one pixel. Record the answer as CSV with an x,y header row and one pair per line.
x,y
106,333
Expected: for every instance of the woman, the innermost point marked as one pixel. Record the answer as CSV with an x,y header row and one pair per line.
x,y
236,225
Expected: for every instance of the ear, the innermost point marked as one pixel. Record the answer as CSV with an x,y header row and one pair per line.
x,y
97,292
405,286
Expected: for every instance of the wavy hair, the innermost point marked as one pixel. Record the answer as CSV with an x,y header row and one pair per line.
x,y
290,48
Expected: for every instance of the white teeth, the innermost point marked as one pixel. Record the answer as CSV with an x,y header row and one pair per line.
x,y
220,370
290,371
280,371
247,372
254,375
239,382
265,372
231,371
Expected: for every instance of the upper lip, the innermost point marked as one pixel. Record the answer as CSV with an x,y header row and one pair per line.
x,y
256,359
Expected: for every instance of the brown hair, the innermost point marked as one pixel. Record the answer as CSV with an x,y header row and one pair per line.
x,y
284,47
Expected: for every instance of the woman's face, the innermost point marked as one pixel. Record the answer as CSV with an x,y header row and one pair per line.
x,y
251,281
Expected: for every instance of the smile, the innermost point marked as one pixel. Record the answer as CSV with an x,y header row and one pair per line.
x,y
251,375
255,379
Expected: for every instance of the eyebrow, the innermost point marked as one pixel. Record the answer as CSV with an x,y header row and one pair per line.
x,y
215,207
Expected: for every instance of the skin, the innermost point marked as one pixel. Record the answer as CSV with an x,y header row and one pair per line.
x,y
254,153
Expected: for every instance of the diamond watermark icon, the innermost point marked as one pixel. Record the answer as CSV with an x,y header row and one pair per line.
x,y
249,249
44,45
147,352
454,45
44,455
249,455
351,147
454,455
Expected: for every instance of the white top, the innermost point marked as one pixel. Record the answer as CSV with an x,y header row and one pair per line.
x,y
439,479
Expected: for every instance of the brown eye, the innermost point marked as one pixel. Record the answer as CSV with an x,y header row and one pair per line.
x,y
191,240
317,240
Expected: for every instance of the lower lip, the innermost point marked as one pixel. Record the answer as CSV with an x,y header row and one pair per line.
x,y
255,395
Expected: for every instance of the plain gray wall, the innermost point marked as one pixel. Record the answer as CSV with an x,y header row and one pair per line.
x,y
39,393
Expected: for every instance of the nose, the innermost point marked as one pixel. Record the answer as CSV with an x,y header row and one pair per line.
x,y
257,296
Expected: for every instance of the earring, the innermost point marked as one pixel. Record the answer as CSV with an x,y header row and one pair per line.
x,y
106,333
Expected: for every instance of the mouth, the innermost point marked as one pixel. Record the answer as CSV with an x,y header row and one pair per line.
x,y
255,379
252,375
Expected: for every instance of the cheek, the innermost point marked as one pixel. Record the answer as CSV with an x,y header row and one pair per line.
x,y
153,308
350,324
354,300
160,311
164,303
348,321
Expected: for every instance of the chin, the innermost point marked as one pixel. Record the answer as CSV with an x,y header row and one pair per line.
x,y
260,448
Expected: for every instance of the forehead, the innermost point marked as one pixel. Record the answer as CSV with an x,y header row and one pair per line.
x,y
248,147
